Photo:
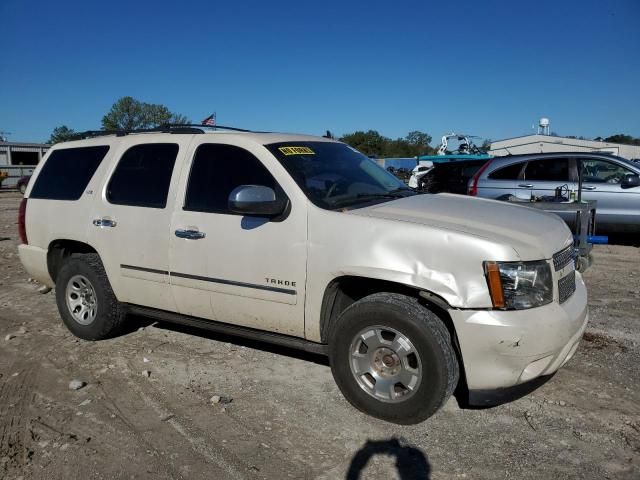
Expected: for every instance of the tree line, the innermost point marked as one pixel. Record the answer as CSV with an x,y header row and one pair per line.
x,y
372,143
620,138
127,113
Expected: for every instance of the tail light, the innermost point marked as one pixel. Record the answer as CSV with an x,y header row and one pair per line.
x,y
473,189
22,224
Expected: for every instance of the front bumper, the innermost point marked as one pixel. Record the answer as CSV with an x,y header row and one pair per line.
x,y
501,349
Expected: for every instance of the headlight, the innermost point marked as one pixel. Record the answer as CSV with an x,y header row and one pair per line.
x,y
519,285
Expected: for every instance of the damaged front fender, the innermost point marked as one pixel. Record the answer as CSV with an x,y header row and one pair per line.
x,y
446,263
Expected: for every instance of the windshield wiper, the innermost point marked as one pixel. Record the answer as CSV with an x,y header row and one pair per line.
x,y
397,193
379,195
368,196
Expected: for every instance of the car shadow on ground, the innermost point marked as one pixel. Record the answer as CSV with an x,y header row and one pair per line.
x,y
133,323
482,400
628,239
485,399
137,321
410,462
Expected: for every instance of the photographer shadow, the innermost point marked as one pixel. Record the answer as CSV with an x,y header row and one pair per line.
x,y
411,463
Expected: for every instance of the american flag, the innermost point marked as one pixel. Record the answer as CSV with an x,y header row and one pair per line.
x,y
210,120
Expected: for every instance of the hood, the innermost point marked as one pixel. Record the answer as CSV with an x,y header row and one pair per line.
x,y
532,233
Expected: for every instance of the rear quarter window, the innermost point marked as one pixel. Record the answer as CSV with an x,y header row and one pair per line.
x,y
67,172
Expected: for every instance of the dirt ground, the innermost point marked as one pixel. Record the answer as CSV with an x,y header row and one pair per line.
x,y
286,417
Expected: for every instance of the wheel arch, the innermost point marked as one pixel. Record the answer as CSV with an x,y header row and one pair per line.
x,y
343,291
60,249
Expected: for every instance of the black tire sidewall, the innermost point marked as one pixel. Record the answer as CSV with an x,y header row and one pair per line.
x,y
102,326
432,391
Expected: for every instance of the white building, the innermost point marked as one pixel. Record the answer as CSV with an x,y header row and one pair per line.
x,y
548,143
15,153
19,159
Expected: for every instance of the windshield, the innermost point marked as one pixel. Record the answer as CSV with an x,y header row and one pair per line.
x,y
334,175
634,164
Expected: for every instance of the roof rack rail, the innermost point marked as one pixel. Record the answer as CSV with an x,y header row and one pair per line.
x,y
201,127
166,128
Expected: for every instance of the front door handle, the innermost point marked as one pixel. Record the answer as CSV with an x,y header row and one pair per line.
x,y
190,234
588,187
104,222
525,185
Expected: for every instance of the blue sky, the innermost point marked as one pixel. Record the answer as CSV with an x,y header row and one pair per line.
x,y
489,68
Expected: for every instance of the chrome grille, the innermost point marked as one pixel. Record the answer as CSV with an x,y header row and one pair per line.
x,y
566,286
563,258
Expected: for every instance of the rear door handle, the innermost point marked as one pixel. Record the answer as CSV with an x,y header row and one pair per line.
x,y
525,185
588,187
104,222
190,234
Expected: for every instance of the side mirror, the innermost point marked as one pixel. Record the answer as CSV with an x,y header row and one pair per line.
x,y
630,180
256,200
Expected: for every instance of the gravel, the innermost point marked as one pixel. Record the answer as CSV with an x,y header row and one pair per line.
x,y
583,423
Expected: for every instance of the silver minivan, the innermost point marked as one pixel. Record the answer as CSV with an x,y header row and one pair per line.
x,y
613,181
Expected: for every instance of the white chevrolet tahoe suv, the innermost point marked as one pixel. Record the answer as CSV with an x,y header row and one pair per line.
x,y
304,242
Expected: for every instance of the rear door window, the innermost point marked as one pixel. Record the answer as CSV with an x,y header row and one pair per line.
x,y
549,169
67,172
510,172
143,176
218,169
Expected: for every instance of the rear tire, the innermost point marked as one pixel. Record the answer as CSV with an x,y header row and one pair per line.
x,y
87,304
393,359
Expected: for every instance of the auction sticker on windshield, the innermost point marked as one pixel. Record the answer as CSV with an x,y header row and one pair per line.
x,y
297,151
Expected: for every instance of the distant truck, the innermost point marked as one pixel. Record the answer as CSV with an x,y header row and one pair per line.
x,y
450,170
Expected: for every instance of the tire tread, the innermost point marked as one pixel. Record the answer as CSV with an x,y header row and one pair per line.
x,y
411,308
109,320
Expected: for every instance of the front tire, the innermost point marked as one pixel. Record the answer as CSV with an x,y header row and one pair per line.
x,y
87,304
392,358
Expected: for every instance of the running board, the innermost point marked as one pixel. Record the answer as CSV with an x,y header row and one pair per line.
x,y
235,330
